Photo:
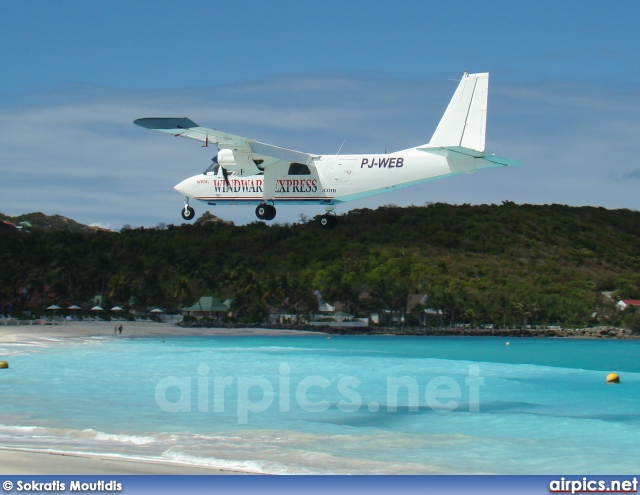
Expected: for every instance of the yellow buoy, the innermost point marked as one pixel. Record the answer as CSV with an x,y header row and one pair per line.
x,y
613,378
3,365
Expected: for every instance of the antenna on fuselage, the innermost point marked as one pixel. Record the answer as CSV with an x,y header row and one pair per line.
x,y
341,147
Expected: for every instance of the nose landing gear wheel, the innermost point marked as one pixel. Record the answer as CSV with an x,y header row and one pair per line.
x,y
328,222
265,212
188,213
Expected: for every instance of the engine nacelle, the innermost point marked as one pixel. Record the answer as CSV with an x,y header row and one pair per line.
x,y
239,162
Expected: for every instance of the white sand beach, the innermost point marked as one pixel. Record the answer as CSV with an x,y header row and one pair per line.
x,y
130,329
20,462
38,463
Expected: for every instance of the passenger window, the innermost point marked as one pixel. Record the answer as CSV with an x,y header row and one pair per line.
x,y
299,169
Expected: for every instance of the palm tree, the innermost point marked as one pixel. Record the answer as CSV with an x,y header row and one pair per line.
x,y
182,291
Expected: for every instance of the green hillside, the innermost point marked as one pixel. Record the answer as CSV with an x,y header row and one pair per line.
x,y
502,264
40,221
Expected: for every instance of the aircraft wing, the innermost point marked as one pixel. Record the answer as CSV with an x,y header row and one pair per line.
x,y
185,127
283,154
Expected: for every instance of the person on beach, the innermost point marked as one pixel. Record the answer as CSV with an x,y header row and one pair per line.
x,y
115,329
120,329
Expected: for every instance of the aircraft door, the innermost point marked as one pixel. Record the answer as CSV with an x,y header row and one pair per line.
x,y
340,170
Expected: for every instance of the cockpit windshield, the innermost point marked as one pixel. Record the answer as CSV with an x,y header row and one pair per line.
x,y
213,167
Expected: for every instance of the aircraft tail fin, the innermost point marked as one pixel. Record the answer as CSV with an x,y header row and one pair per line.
x,y
465,120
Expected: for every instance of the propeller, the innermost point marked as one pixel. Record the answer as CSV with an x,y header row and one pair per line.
x,y
225,175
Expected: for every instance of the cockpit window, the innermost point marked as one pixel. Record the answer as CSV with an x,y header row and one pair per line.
x,y
299,169
213,167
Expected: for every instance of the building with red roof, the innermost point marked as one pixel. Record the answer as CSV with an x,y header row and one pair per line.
x,y
625,303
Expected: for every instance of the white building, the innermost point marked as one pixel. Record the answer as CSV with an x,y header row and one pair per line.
x,y
625,303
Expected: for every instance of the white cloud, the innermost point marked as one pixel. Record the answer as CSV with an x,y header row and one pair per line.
x,y
76,152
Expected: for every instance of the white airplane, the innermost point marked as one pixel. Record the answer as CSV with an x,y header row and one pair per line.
x,y
246,171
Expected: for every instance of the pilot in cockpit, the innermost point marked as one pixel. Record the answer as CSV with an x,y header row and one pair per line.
x,y
214,167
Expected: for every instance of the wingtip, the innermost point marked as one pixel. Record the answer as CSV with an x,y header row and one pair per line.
x,y
165,123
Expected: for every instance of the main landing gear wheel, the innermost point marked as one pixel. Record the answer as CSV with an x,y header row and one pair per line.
x,y
328,222
266,212
188,213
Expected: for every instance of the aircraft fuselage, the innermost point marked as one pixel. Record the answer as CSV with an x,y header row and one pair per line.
x,y
332,179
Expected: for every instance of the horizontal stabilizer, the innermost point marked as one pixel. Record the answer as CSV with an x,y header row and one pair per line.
x,y
460,150
505,162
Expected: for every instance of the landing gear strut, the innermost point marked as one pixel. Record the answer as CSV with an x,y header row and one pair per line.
x,y
265,211
187,212
328,221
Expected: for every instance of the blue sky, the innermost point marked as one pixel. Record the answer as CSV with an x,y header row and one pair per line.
x,y
564,96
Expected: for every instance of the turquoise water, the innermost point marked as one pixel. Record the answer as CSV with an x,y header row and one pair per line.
x,y
349,404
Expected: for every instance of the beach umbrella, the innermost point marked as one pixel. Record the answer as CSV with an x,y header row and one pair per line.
x,y
73,307
117,308
97,308
156,312
53,309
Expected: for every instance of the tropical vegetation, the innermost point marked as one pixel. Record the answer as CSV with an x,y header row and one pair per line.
x,y
502,264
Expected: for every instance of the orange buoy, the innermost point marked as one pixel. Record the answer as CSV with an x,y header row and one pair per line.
x,y
613,378
3,365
